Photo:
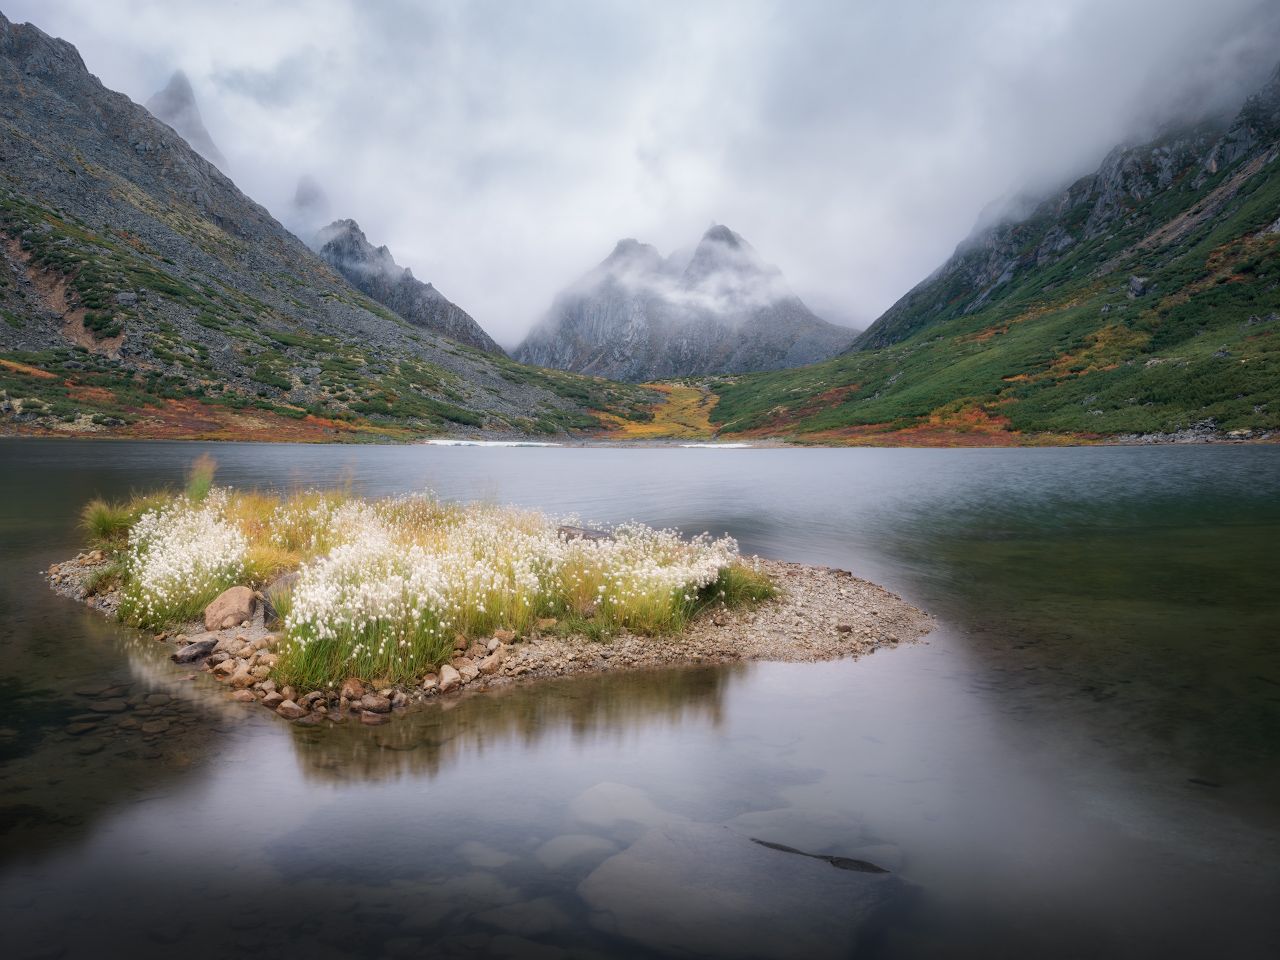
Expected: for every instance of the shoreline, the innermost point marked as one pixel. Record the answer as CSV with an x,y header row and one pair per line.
x,y
959,442
821,614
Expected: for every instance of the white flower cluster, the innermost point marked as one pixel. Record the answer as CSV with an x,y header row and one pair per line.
x,y
181,551
317,523
386,584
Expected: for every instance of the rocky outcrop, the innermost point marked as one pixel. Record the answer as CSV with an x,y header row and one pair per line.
x,y
1191,172
175,105
375,272
638,316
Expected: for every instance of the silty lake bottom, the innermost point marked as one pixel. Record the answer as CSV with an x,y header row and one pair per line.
x,y
1082,760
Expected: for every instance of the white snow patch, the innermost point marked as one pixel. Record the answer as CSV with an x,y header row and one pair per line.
x,y
490,443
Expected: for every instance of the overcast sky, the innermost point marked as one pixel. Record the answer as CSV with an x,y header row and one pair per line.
x,y
501,148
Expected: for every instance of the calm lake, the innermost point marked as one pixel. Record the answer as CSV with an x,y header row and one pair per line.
x,y
1083,759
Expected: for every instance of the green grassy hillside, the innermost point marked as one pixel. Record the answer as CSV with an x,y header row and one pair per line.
x,y
1159,312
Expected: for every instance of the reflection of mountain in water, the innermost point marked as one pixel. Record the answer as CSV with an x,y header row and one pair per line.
x,y
429,740
1142,616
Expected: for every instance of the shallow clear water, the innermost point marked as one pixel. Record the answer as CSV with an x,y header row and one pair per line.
x,y
1083,759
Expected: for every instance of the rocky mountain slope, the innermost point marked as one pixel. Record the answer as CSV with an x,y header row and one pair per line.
x,y
175,105
374,271
638,316
141,291
1142,299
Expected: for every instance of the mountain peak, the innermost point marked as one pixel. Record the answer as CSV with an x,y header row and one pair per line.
x,y
631,252
719,233
175,105
639,317
374,271
38,53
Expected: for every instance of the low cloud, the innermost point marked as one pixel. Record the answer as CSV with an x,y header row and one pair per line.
x,y
500,148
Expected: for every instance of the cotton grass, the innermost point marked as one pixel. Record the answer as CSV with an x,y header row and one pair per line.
x,y
386,587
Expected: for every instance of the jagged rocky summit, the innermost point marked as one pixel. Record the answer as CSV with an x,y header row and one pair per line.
x,y
140,290
375,272
638,316
176,106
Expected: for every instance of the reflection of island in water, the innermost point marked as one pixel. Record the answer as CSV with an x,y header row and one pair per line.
x,y
428,739
95,717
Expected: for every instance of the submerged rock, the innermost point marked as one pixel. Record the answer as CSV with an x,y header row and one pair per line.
x,y
703,888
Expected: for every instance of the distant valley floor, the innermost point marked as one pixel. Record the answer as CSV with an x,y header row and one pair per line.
x,y
684,415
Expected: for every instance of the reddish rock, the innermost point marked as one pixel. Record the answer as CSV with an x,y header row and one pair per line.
x,y
232,608
290,710
352,689
450,679
490,664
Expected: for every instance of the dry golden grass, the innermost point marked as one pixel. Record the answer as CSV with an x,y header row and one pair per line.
x,y
684,414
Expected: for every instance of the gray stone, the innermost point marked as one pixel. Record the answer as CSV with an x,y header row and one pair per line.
x,y
194,651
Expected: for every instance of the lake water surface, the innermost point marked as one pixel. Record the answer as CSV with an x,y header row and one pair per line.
x,y
1083,759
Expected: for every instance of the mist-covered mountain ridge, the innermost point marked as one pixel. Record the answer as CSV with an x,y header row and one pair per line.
x,y
374,271
140,288
1181,159
640,316
1141,299
175,106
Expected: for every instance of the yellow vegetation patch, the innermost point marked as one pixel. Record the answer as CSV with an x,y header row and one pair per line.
x,y
683,414
1105,350
30,371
